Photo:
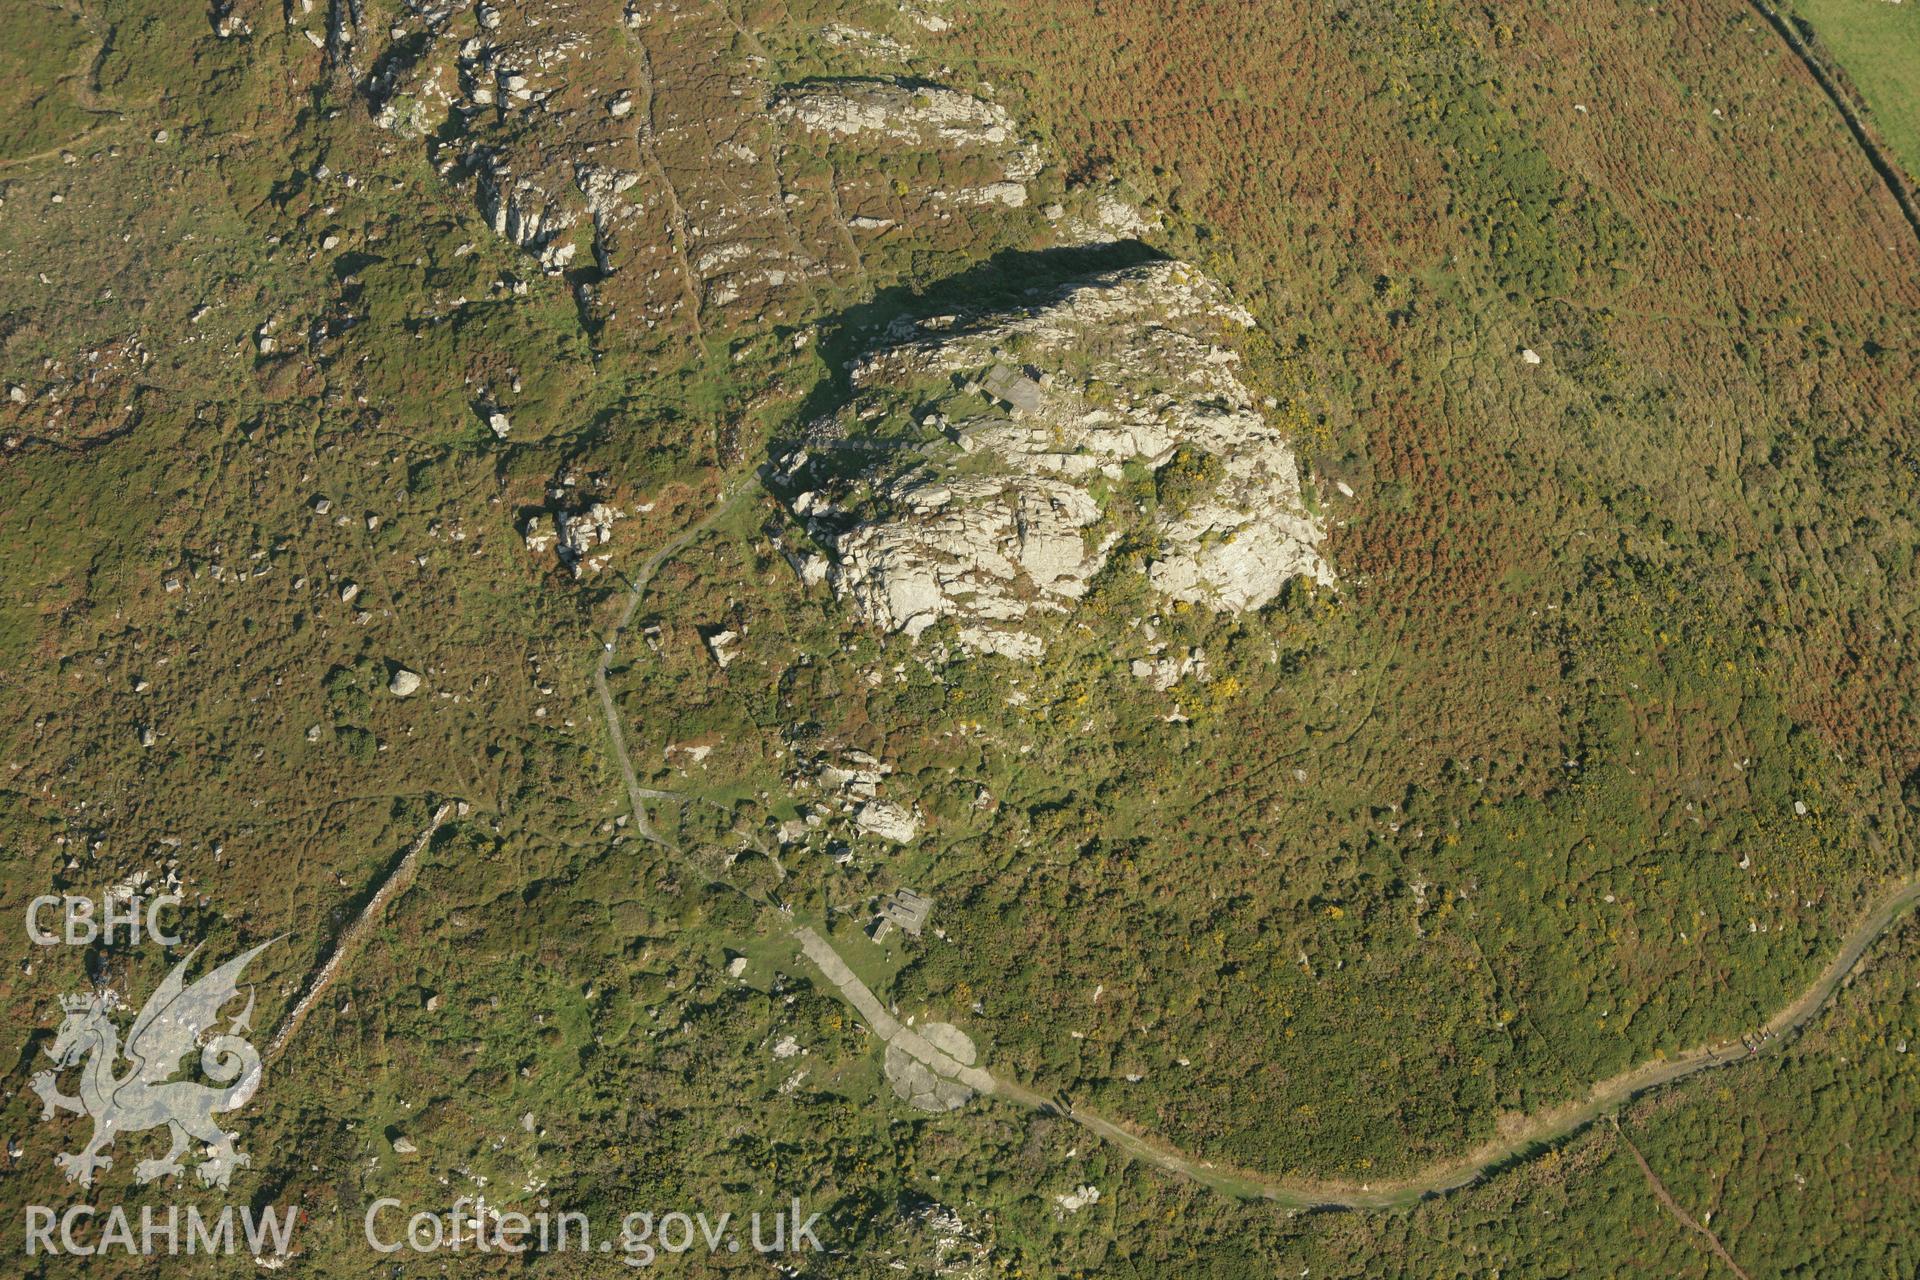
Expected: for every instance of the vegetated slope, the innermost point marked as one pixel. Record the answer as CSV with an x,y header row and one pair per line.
x,y
48,63
253,344
255,348
263,366
1802,1164
1616,617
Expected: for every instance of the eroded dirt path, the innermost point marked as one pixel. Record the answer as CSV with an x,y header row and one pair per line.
x,y
1684,1218
884,1024
1544,1127
637,795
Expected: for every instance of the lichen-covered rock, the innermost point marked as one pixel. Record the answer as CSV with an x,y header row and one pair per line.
x,y
984,549
651,164
982,473
904,112
584,532
887,820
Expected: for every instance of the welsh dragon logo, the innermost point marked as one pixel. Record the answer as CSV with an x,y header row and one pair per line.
x,y
146,1096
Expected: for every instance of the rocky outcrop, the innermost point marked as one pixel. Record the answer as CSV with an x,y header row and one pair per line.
x,y
519,210
887,820
665,151
578,532
898,110
582,533
1004,545
932,1240
976,138
988,467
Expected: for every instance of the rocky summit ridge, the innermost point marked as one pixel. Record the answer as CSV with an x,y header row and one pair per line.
x,y
989,467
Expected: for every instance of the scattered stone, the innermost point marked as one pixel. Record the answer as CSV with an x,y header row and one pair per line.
x,y
581,531
1169,670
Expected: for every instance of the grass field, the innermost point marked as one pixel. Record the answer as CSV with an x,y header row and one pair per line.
x,y
1878,45
44,46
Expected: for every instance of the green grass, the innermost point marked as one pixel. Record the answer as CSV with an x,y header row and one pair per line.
x,y
1878,45
43,50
